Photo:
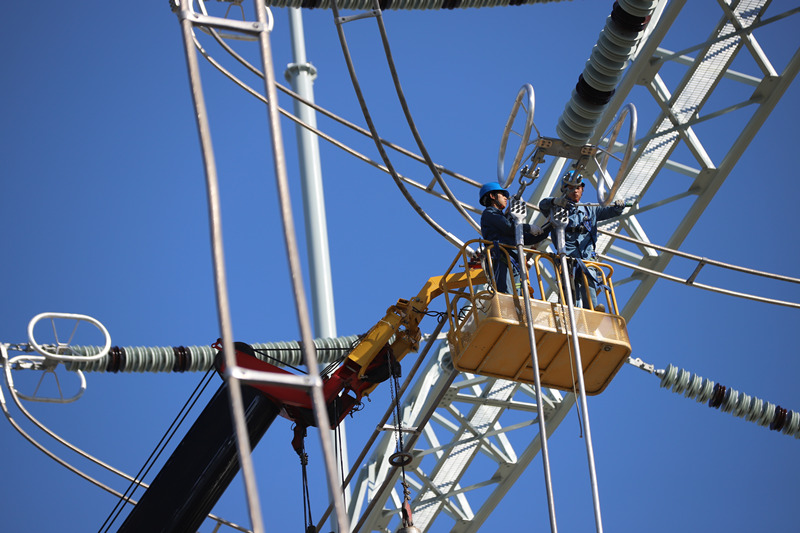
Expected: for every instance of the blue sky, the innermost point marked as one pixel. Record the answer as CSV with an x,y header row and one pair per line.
x,y
105,215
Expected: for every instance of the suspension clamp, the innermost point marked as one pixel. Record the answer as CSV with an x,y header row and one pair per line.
x,y
638,363
530,175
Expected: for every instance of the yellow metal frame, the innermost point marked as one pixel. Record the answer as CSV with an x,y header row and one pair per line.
x,y
402,320
489,331
489,334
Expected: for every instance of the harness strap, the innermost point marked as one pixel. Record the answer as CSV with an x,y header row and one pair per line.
x,y
576,229
581,266
585,226
497,253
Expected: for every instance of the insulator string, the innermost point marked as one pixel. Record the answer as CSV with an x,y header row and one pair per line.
x,y
730,400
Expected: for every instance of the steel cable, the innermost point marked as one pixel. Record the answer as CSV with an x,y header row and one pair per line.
x,y
85,455
320,109
407,112
356,86
157,451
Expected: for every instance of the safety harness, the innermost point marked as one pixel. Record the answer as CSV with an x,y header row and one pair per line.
x,y
585,226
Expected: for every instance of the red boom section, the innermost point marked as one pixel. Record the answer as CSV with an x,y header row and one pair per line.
x,y
342,390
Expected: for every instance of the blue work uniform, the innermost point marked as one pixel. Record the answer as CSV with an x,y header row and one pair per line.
x,y
497,226
580,237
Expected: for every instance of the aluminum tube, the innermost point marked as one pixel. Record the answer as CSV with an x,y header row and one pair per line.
x,y
300,75
282,182
581,386
551,508
223,305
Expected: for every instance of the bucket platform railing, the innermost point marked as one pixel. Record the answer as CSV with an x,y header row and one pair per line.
x,y
489,329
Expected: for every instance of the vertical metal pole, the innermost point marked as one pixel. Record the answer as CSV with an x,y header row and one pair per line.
x,y
517,210
309,353
223,305
301,74
538,384
559,225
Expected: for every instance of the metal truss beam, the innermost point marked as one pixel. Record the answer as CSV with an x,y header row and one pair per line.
x,y
469,422
468,427
680,111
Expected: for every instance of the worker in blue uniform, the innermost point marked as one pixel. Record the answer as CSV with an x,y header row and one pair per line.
x,y
580,235
498,227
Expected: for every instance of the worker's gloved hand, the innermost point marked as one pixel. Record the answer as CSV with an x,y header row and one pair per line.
x,y
535,230
562,201
619,204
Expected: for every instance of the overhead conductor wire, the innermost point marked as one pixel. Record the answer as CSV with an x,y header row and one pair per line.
x,y
7,413
401,97
293,256
701,262
218,260
6,364
159,448
348,59
329,114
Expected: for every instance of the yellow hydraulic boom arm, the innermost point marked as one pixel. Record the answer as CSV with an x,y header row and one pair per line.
x,y
403,318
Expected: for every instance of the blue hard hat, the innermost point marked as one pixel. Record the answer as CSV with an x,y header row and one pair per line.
x,y
571,179
492,186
